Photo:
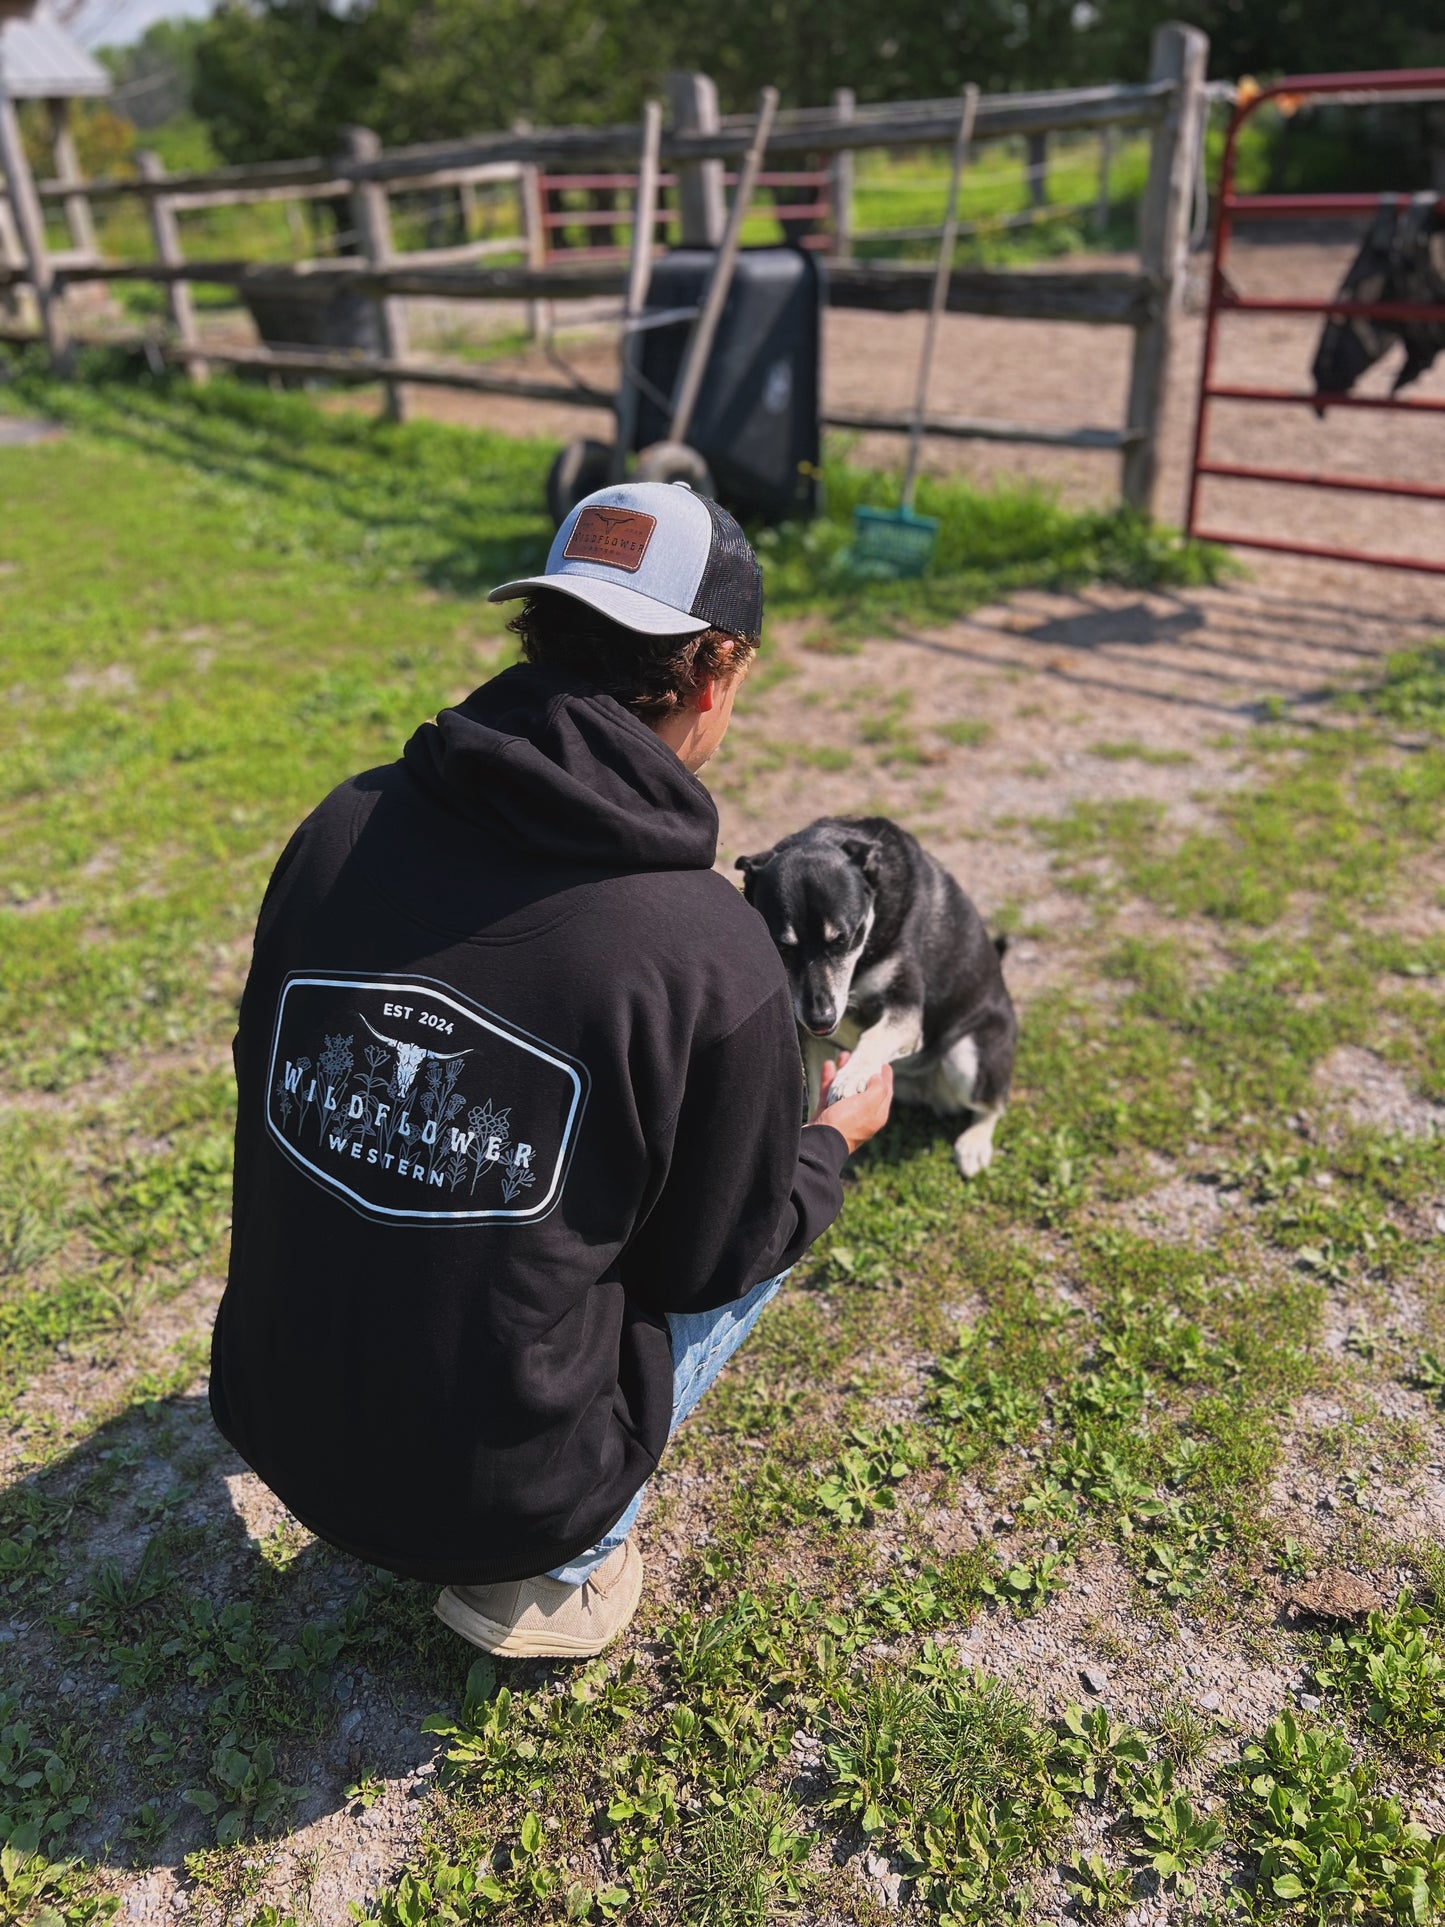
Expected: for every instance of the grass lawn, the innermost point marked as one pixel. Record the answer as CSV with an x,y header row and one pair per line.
x,y
977,1432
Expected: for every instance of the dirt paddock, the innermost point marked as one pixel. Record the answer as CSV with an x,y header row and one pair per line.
x,y
1066,375
1053,676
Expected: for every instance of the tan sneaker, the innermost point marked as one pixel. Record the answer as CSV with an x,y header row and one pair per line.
x,y
543,1619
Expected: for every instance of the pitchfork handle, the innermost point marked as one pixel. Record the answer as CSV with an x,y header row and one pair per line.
x,y
940,292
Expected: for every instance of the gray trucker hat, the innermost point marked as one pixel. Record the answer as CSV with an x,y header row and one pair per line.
x,y
654,557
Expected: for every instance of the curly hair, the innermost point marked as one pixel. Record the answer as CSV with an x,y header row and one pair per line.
x,y
651,675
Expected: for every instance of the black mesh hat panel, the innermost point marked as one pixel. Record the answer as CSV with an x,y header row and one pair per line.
x,y
730,594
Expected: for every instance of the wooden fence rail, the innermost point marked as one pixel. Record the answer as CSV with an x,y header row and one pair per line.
x,y
818,142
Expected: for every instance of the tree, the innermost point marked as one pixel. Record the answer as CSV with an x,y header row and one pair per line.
x,y
277,78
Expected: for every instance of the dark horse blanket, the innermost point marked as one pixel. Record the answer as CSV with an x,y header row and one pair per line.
x,y
1403,259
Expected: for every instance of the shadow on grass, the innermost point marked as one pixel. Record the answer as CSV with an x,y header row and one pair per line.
x,y
457,510
195,1668
461,509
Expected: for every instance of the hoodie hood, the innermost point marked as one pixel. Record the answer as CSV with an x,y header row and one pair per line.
x,y
558,772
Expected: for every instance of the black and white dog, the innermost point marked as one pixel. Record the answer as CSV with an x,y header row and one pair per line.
x,y
887,957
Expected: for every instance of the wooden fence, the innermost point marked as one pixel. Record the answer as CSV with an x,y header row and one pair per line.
x,y
811,148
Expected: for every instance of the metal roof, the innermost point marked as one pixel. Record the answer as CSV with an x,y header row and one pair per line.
x,y
40,61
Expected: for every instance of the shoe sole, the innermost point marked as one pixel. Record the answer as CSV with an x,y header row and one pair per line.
x,y
505,1641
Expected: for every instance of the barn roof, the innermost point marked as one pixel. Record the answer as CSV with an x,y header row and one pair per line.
x,y
40,61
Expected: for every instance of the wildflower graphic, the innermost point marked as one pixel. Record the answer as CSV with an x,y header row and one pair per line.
x,y
440,1102
334,1067
399,1126
490,1132
517,1171
356,1111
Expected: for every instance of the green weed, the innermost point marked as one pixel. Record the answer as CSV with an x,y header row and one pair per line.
x,y
1326,1841
1393,1673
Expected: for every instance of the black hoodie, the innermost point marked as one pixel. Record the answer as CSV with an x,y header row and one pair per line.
x,y
517,1075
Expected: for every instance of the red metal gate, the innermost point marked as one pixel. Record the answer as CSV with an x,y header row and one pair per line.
x,y
1428,83
617,195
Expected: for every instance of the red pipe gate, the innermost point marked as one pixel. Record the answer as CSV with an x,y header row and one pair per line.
x,y
614,197
1356,88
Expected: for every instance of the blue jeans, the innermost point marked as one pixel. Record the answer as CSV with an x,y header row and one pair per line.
x,y
702,1343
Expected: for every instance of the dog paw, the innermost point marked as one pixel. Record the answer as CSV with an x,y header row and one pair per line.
x,y
973,1151
850,1081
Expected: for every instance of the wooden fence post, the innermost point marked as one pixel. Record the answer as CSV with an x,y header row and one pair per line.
x,y
371,218
701,203
1106,161
841,185
166,239
12,255
67,168
1180,54
1037,146
534,236
25,205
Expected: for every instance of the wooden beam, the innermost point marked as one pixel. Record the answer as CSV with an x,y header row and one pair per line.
x,y
840,183
342,367
78,217
166,236
25,204
561,149
701,206
1180,56
965,428
563,281
13,272
1098,296
350,367
371,217
532,214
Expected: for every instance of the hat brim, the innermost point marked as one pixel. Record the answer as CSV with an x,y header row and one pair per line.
x,y
615,600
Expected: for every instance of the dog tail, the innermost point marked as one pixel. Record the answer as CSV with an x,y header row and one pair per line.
x,y
1000,944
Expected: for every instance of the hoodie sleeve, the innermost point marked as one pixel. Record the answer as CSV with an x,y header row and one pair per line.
x,y
747,1188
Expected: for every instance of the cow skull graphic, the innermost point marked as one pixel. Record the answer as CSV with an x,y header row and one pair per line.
x,y
411,1057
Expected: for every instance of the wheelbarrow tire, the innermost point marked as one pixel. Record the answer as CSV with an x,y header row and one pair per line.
x,y
674,462
581,467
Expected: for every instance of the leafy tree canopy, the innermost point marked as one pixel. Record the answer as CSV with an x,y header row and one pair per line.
x,y
276,78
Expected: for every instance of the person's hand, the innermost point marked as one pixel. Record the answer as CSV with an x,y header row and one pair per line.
x,y
861,1116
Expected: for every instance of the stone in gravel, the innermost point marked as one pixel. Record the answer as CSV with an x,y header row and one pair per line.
x,y
1095,1678
373,1817
1209,1702
1333,1594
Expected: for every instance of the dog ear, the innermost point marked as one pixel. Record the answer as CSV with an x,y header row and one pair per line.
x,y
748,864
863,852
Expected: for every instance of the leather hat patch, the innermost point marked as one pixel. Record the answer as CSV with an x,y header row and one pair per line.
x,y
618,537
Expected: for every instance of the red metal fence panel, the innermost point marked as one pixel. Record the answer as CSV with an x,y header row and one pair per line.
x,y
1355,89
611,199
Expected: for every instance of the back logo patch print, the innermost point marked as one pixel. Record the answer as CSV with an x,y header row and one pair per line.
x,y
417,1105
